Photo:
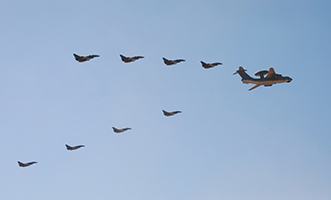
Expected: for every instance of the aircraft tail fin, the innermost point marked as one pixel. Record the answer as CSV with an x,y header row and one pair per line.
x,y
242,73
165,60
122,57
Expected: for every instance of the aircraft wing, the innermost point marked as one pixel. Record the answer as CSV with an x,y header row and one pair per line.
x,y
257,85
271,73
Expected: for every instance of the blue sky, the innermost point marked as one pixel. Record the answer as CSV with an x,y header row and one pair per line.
x,y
229,143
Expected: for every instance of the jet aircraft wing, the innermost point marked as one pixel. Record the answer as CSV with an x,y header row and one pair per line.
x,y
257,85
271,73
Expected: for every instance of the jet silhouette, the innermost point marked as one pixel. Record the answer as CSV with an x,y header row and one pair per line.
x,y
75,147
210,65
172,62
25,164
170,113
84,58
130,59
269,80
120,130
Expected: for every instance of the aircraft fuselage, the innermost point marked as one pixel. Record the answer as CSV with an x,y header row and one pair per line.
x,y
265,81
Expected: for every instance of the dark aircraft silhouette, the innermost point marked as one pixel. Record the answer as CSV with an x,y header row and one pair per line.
x,y
170,113
120,130
75,147
84,58
172,62
25,164
130,59
210,65
269,80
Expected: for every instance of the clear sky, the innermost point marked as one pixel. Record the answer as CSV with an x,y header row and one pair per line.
x,y
228,143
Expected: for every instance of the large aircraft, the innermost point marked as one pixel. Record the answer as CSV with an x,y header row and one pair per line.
x,y
269,80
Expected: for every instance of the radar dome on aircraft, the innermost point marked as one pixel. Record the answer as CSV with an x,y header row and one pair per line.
x,y
261,73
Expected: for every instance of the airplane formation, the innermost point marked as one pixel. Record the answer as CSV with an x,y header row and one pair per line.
x,y
267,78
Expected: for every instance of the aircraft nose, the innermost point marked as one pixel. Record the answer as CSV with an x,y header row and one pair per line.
x,y
289,80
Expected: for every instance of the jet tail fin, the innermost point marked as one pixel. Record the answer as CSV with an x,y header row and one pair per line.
x,y
165,60
242,73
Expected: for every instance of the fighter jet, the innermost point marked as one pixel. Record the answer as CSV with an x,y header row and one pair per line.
x,y
210,65
172,62
120,130
170,113
74,148
130,59
269,80
25,164
84,58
